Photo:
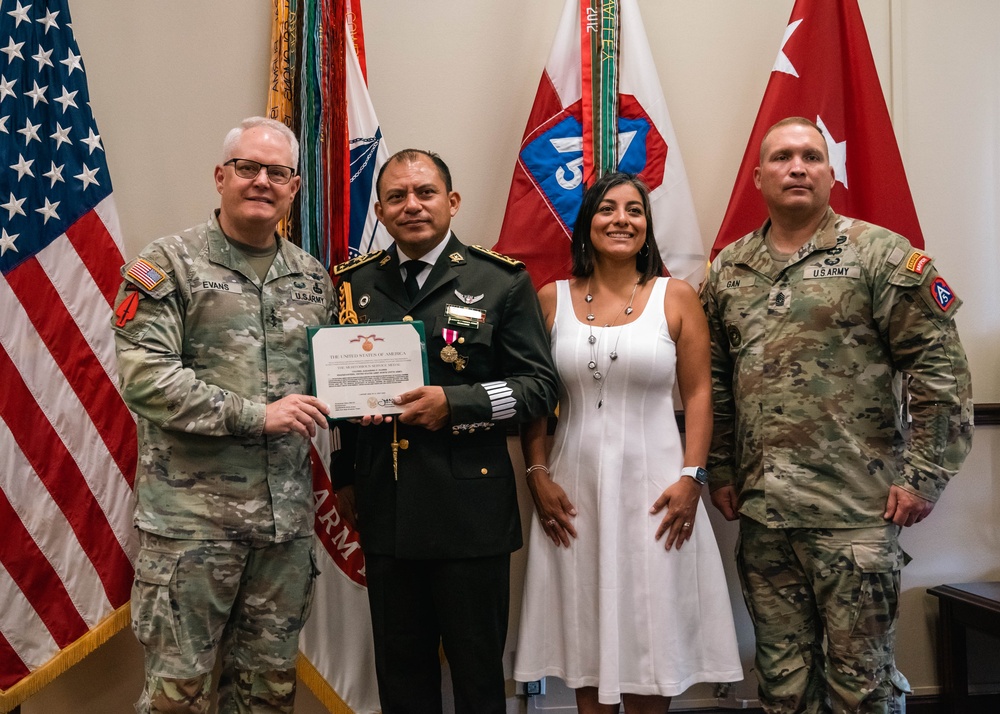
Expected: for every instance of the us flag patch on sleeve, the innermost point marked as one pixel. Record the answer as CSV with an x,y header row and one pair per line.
x,y
145,273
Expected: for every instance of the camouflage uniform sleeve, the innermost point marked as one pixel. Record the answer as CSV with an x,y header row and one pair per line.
x,y
154,381
527,387
721,459
916,309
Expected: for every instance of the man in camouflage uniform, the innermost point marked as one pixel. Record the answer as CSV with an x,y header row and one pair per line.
x,y
812,318
210,333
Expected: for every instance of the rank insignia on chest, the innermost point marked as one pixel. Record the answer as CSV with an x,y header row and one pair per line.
x,y
464,316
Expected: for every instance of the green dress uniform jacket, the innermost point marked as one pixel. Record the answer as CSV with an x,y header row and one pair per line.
x,y
804,358
203,347
455,492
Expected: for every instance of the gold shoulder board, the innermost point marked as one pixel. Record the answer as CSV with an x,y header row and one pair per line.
x,y
498,257
349,265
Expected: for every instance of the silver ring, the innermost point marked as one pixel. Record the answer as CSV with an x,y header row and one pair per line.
x,y
686,525
550,522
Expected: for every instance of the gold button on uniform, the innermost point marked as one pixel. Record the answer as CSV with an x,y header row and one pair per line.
x,y
404,444
484,471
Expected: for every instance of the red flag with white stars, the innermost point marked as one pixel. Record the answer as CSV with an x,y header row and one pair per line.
x,y
825,72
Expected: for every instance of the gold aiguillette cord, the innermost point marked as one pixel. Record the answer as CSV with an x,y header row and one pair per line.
x,y
395,452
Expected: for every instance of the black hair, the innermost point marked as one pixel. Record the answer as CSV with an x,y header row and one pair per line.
x,y
413,155
647,261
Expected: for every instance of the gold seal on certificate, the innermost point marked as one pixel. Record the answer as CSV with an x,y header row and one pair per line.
x,y
358,369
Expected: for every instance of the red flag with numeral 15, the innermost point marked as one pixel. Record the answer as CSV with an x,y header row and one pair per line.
x,y
825,72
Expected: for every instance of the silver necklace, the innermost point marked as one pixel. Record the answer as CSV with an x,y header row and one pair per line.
x,y
595,340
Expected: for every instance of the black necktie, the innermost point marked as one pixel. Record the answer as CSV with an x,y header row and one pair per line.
x,y
412,268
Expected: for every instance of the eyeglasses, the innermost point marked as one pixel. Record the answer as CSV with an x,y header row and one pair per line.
x,y
247,169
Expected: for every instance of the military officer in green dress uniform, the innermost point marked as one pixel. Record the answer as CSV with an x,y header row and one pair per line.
x,y
433,490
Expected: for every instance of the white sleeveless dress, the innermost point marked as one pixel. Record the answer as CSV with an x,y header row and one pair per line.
x,y
615,610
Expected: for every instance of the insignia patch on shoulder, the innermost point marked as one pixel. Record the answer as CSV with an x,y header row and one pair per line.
x,y
942,294
917,262
353,263
126,309
498,257
145,273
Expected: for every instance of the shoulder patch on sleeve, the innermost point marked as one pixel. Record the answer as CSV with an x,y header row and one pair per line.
x,y
349,265
913,270
148,277
498,257
942,294
917,261
145,273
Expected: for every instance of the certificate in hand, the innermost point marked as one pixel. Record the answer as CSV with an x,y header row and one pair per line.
x,y
358,369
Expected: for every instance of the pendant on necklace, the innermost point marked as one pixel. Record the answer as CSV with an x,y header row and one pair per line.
x,y
592,364
613,355
628,311
597,375
591,339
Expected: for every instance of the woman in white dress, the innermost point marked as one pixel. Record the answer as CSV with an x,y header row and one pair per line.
x,y
625,596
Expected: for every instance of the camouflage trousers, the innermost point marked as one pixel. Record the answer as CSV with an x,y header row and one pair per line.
x,y
193,599
824,605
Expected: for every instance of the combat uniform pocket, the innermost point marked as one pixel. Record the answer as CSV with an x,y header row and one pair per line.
x,y
877,596
153,619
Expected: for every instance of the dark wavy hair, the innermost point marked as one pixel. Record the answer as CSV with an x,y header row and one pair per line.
x,y
647,261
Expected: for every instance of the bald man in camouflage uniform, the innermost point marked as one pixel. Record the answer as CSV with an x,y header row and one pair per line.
x,y
813,317
210,330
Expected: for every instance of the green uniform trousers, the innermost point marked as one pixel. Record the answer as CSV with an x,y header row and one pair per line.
x,y
824,605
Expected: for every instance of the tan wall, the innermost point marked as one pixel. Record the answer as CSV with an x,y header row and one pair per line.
x,y
168,79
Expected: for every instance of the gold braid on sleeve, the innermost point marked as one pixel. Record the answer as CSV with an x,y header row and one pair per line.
x,y
345,313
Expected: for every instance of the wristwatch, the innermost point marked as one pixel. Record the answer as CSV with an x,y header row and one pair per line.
x,y
697,473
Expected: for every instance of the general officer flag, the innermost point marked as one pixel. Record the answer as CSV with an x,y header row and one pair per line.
x,y
825,72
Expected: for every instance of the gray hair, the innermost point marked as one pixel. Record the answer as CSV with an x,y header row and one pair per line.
x,y
229,143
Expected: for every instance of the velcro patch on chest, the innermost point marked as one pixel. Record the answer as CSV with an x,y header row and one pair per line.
x,y
831,271
221,286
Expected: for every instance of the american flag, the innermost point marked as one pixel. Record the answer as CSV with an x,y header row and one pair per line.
x,y
67,441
